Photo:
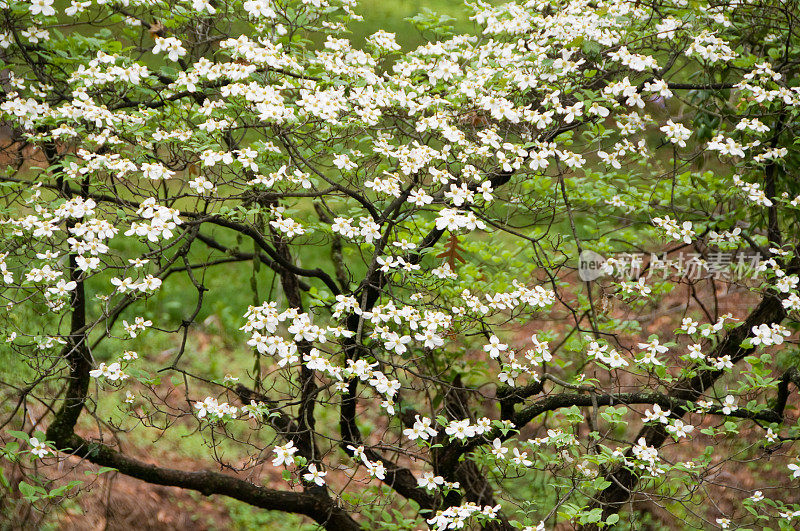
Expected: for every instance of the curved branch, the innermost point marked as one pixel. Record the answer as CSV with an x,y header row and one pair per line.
x,y
319,508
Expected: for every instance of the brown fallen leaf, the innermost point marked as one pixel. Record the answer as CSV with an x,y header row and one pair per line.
x,y
157,29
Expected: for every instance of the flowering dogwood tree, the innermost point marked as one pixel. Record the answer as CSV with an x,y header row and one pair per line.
x,y
409,225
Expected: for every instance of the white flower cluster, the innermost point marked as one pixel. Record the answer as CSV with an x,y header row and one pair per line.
x,y
263,53
786,283
42,7
710,48
430,481
634,61
389,263
148,284
679,429
263,321
728,146
657,415
630,287
753,191
762,95
5,274
610,358
163,220
454,220
463,429
456,517
651,350
624,89
767,335
139,324
512,369
425,326
384,41
296,177
368,229
792,302
421,429
676,133
284,455
287,226
536,297
375,469
39,448
103,70
111,372
87,240
683,232
211,409
645,457
724,238
171,46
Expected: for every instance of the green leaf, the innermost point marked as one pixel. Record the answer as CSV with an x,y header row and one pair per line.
x,y
28,491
